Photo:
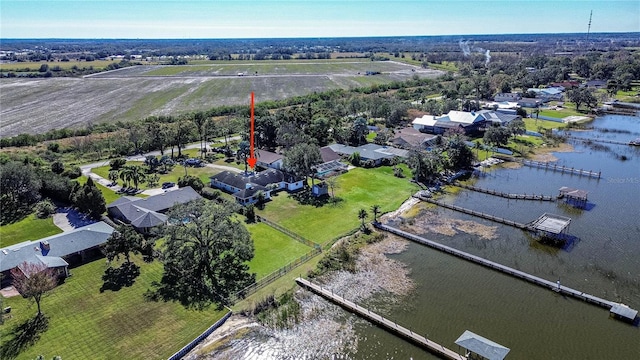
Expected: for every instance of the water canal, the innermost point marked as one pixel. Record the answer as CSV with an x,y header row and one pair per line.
x,y
448,295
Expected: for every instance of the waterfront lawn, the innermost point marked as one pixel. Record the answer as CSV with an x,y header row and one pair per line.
x,y
87,324
29,228
534,124
273,249
357,189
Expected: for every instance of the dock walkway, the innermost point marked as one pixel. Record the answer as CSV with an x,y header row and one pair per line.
x,y
391,326
475,213
502,268
506,195
630,143
560,168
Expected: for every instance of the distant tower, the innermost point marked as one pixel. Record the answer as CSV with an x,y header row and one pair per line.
x,y
589,28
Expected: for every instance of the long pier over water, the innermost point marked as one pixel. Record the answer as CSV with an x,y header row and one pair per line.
x,y
506,195
505,269
391,326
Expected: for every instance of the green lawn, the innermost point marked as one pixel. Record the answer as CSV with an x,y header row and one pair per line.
x,y
533,124
273,249
29,228
178,171
359,188
87,324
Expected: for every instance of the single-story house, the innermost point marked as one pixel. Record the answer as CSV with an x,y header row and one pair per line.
x,y
569,84
425,123
530,103
56,251
510,97
498,117
410,138
146,213
548,94
470,122
246,188
268,159
372,152
596,84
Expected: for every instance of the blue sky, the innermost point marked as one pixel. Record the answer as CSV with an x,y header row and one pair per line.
x,y
308,18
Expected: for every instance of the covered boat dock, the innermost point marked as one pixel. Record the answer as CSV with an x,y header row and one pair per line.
x,y
479,347
575,197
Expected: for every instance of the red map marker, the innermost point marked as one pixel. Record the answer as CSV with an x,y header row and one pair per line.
x,y
251,161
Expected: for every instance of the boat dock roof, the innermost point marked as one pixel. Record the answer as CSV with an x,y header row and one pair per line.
x,y
550,223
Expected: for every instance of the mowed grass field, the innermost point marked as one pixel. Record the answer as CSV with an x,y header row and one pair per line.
x,y
35,65
29,228
38,105
88,324
359,189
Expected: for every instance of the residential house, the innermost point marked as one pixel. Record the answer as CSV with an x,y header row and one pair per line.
x,y
246,188
410,138
469,122
57,251
373,152
268,159
146,213
596,84
498,118
425,123
530,103
569,84
509,97
548,94
330,162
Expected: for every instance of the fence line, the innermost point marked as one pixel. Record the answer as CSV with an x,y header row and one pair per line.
x,y
251,289
289,233
182,352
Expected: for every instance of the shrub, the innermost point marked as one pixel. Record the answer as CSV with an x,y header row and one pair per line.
x,y
190,180
73,173
211,194
45,208
57,167
116,164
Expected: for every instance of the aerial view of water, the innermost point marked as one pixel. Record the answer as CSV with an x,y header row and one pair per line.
x,y
453,295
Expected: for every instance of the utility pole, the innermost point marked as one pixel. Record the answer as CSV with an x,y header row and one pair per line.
x,y
589,27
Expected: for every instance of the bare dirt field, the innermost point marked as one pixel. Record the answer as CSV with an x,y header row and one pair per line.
x,y
37,105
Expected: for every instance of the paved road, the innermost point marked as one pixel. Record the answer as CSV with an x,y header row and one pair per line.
x,y
86,169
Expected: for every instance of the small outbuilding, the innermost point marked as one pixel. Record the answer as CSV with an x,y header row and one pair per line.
x,y
479,347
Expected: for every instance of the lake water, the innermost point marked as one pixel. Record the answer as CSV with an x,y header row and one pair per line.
x,y
453,295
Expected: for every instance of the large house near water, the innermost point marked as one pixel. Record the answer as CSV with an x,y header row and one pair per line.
x,y
57,251
146,213
247,189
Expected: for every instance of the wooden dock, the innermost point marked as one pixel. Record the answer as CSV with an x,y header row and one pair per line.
x,y
506,195
629,143
379,320
560,168
475,213
502,268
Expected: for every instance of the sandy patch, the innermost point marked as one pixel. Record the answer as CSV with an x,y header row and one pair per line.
x,y
544,154
436,223
405,207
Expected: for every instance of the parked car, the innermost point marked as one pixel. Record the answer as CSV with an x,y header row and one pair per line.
x,y
193,162
168,185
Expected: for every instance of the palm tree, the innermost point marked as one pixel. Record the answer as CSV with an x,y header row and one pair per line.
x,y
362,215
375,209
125,174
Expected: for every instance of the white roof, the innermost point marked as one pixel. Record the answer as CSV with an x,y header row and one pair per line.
x,y
426,120
464,117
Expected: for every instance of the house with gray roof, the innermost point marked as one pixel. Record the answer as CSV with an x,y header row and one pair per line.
x,y
498,117
373,152
146,213
246,187
56,251
268,159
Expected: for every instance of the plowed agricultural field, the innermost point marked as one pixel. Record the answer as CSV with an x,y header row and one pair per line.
x,y
38,105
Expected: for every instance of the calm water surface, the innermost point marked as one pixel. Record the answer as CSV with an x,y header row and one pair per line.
x,y
453,295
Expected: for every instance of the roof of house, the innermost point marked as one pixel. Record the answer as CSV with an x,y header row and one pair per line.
x,y
370,151
447,124
498,117
411,137
425,120
249,192
268,157
149,219
59,245
462,117
263,178
328,154
526,102
508,96
232,179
